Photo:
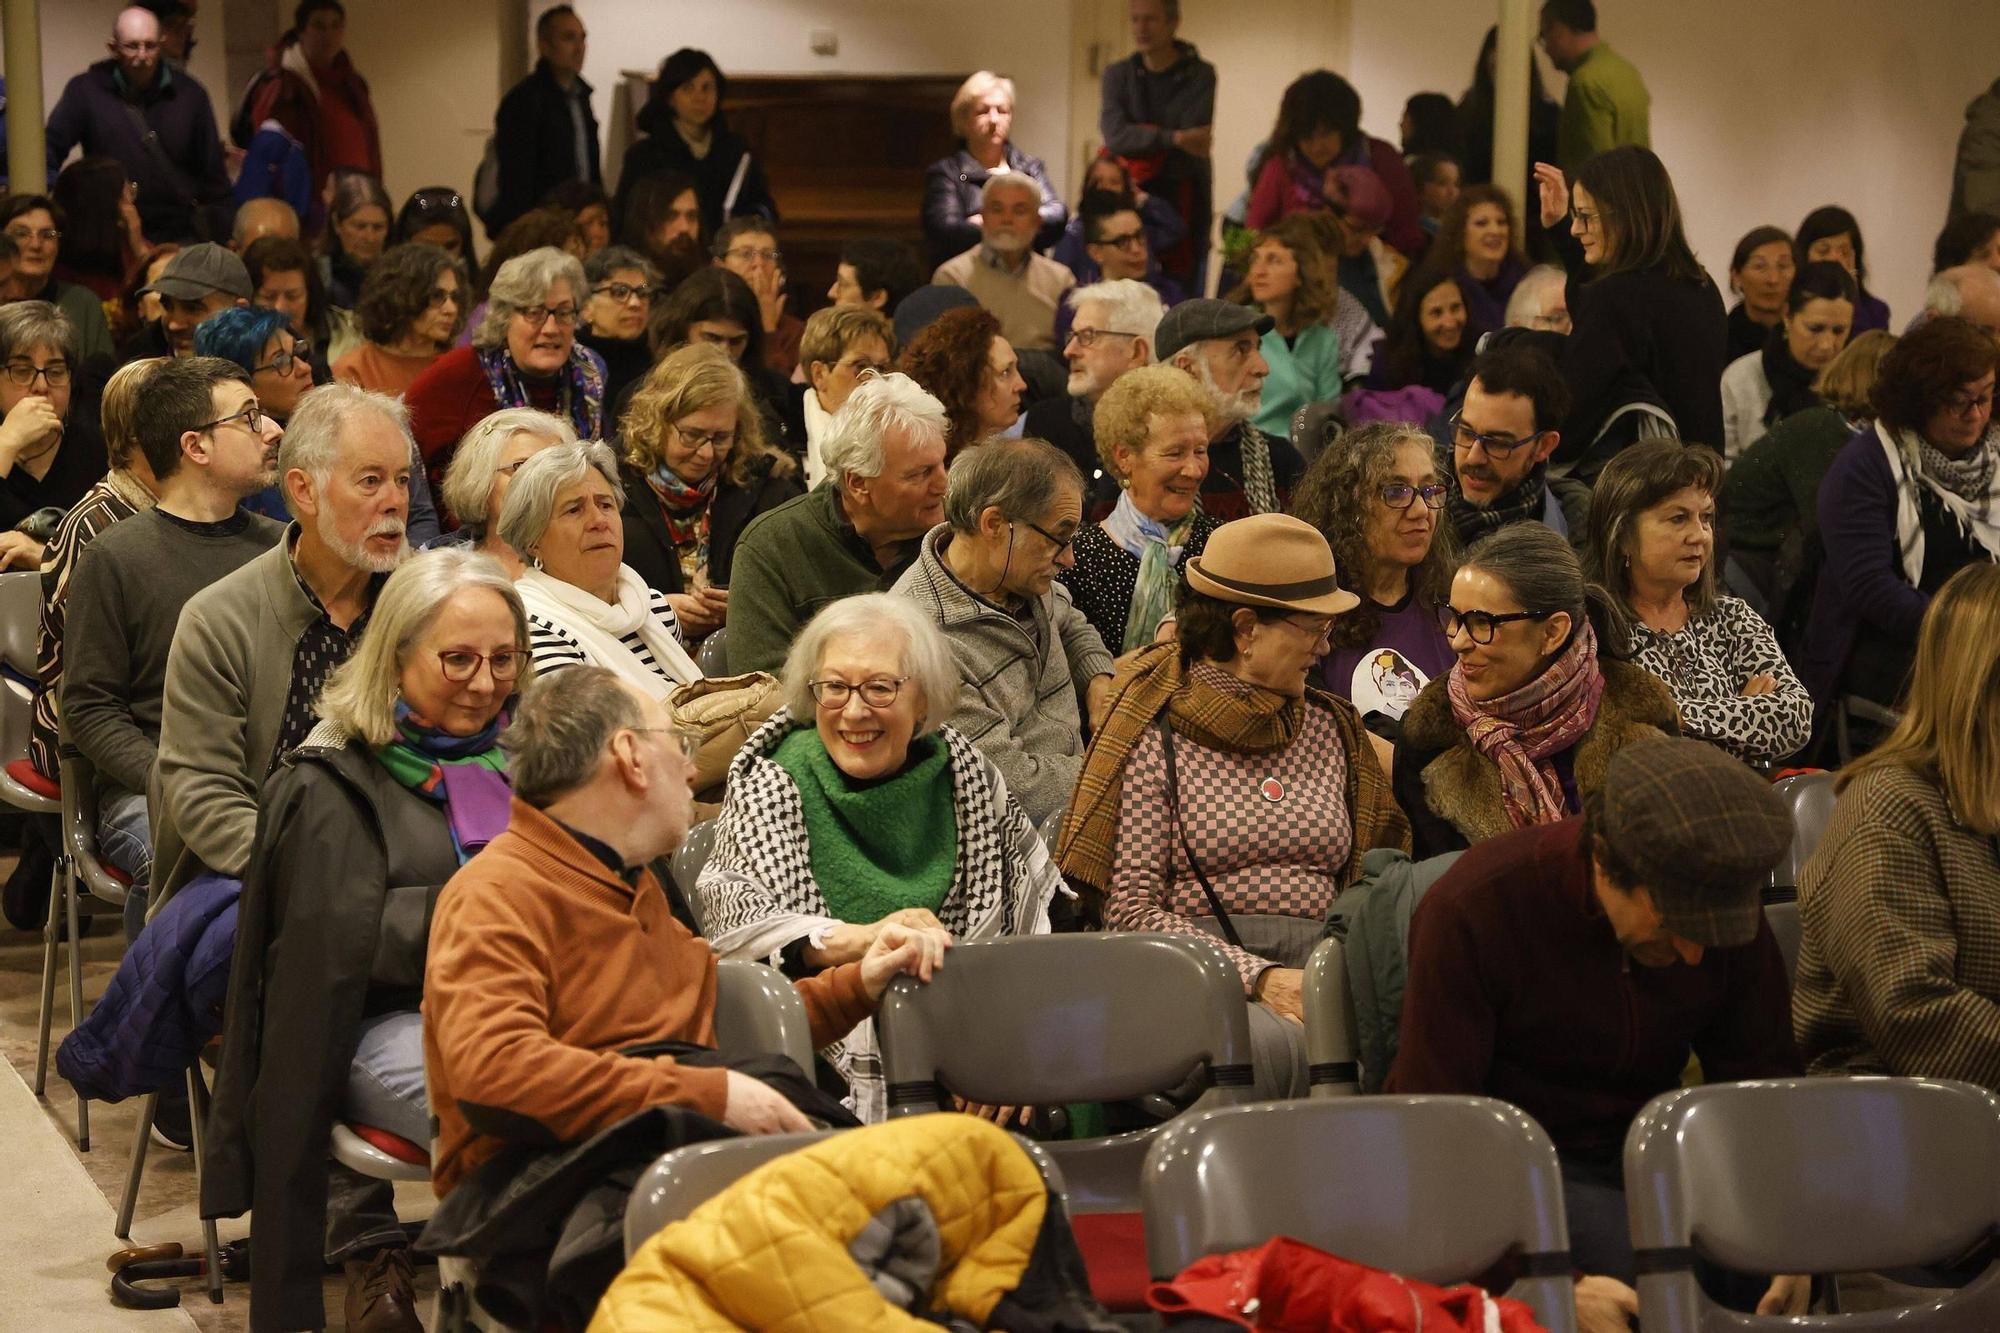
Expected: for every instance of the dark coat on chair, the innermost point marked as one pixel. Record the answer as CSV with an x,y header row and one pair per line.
x,y
650,552
347,868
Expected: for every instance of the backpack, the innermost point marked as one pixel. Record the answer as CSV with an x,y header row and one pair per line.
x,y
1372,919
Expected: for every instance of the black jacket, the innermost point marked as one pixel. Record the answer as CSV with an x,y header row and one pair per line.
x,y
347,869
663,149
650,552
188,200
534,140
951,195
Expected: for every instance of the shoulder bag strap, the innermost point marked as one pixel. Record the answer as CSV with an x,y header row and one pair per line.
x,y
1174,813
149,139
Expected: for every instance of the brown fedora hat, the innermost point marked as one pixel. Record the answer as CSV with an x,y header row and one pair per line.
x,y
1270,560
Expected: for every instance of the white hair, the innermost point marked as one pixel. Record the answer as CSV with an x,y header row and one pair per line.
x,y
927,658
1131,305
853,446
523,281
1004,181
318,424
468,480
531,500
1945,294
1531,295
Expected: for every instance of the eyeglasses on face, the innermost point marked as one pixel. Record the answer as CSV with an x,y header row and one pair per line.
x,y
1313,627
1959,404
749,254
1497,447
1088,338
1480,625
462,664
253,417
55,374
1060,543
1125,240
697,440
440,295
833,695
624,293
24,235
1588,218
687,742
538,315
1401,495
283,362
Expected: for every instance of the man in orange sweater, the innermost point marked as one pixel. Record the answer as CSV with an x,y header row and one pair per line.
x,y
554,949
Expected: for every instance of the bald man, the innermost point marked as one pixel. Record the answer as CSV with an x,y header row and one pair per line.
x,y
177,161
261,217
1970,291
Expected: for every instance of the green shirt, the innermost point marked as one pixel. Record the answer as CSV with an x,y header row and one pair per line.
x,y
1607,105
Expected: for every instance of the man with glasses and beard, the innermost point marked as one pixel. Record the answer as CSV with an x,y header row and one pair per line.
x,y
252,651
1218,343
1496,457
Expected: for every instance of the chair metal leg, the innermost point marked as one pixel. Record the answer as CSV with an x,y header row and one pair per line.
x,y
130,1203
51,930
69,892
198,1121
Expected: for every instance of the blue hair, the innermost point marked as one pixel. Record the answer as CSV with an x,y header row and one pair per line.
x,y
238,334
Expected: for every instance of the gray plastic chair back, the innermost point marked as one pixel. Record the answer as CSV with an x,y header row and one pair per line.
x,y
1047,1019
79,821
1333,1044
1788,930
688,861
713,657
1437,1188
1822,1175
20,624
759,1012
1809,796
686,1178
1314,426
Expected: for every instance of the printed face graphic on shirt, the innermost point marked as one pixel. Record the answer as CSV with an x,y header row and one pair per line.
x,y
1385,682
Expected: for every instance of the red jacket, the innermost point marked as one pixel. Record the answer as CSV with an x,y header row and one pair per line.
x,y
283,93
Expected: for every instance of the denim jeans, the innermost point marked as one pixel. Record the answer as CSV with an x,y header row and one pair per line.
x,y
386,1089
125,839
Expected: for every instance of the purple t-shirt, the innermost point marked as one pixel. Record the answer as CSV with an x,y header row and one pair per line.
x,y
1406,652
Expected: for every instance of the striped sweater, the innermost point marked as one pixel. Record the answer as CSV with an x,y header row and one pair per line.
x,y
553,647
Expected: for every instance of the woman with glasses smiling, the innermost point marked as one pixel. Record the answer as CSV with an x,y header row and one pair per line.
x,y
1524,725
697,469
1377,497
402,782
1909,501
853,807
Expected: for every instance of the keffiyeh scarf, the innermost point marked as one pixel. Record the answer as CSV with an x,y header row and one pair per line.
x,y
1520,730
1968,488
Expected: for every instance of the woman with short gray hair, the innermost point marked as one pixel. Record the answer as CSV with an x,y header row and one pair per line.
x,y
400,784
853,807
47,458
585,604
482,467
524,353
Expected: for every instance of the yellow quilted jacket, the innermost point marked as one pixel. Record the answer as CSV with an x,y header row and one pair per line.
x,y
771,1251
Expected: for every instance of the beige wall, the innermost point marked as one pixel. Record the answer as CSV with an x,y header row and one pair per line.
x,y
433,69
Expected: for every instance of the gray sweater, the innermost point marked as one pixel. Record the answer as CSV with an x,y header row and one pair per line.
x,y
124,602
1020,699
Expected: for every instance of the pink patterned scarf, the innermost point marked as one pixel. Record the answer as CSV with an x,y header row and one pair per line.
x,y
1519,731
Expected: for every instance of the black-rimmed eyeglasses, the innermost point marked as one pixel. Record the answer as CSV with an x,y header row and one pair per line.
x,y
1480,625
1497,447
1401,495
833,695
252,416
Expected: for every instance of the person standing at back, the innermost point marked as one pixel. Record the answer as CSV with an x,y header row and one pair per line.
x,y
1157,115
1607,104
545,133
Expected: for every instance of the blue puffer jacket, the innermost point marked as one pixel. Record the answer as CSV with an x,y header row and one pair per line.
x,y
164,1002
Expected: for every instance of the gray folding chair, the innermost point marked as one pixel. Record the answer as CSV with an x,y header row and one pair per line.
x,y
1852,708
1809,796
758,1012
1314,426
1436,1188
1820,1175
688,861
1786,926
1333,1046
1046,1019
713,655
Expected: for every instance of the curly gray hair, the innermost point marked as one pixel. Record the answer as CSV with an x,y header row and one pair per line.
x,y
531,500
524,281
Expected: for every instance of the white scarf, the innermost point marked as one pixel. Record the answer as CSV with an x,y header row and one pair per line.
x,y
818,420
599,627
295,60
1976,522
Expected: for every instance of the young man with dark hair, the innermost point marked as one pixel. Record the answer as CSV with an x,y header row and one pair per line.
x,y
1497,452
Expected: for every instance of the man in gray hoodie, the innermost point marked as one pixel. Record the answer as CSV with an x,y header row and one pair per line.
x,y
1157,114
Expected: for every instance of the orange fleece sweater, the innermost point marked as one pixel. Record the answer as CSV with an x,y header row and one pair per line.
x,y
543,965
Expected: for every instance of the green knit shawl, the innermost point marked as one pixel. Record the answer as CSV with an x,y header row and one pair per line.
x,y
876,847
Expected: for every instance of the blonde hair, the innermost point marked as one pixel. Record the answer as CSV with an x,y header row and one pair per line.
x,y
361,693
118,413
1847,383
1124,415
830,332
971,92
468,478
1946,733
689,379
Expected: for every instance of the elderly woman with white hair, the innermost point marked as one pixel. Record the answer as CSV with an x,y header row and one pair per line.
x,y
400,784
585,604
523,353
482,467
982,116
853,807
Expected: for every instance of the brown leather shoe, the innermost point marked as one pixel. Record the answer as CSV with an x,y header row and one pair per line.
x,y
381,1294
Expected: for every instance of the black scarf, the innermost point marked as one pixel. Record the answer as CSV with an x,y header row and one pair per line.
x,y
1523,502
1791,383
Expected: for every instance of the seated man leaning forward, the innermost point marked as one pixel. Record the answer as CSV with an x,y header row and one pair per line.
x,y
1570,968
525,1049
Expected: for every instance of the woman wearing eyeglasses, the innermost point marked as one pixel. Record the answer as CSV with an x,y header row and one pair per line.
x,y
402,782
413,303
697,469
854,807
49,454
1524,725
1909,501
1377,497
586,606
34,223
523,353
624,289
1652,548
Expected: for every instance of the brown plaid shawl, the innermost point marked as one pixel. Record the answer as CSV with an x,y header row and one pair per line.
x,y
1152,680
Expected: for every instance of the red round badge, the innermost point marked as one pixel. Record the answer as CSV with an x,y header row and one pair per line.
x,y
1273,790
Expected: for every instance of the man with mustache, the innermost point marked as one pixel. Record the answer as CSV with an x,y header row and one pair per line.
x,y
1220,344
252,651
1497,452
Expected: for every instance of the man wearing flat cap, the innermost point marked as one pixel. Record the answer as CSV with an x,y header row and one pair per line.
x,y
200,281
1220,344
1571,968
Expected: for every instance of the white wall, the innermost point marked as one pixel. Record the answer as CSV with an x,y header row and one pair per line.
x,y
434,80
1027,40
1761,111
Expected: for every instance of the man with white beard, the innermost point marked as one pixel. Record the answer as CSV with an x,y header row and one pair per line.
x,y
1020,287
1218,342
253,650
1110,333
